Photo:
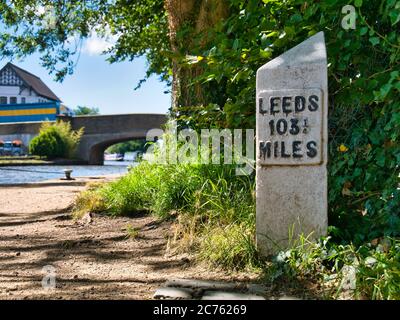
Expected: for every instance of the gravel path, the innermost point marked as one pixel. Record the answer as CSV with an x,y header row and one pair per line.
x,y
90,259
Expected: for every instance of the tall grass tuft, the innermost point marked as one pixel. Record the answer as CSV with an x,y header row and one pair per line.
x,y
230,246
208,199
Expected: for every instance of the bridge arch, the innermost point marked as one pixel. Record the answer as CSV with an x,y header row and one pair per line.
x,y
96,152
104,131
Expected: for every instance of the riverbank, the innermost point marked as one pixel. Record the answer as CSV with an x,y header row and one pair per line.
x,y
35,161
94,258
33,174
75,182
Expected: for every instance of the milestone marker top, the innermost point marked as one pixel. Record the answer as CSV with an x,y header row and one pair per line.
x,y
310,51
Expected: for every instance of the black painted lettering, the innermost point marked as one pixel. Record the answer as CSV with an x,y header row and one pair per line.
x,y
296,149
312,149
281,126
305,129
313,100
283,150
272,127
265,149
294,128
261,106
276,147
286,103
299,104
274,101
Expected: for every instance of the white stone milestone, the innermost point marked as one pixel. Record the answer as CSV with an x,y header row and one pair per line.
x,y
292,136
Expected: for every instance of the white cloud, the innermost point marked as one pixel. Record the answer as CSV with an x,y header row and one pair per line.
x,y
96,45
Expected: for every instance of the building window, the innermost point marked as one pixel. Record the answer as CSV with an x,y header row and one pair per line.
x,y
13,99
3,100
23,100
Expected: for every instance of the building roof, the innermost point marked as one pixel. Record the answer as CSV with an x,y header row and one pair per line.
x,y
33,82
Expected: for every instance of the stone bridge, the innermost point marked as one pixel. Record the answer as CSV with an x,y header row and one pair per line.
x,y
101,131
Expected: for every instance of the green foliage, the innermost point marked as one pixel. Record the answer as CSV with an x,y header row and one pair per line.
x,y
132,232
209,190
364,92
215,208
364,196
132,193
231,246
129,146
142,30
216,218
379,271
88,201
48,144
55,140
47,27
376,267
83,110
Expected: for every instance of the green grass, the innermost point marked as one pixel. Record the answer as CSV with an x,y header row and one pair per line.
x,y
19,158
230,246
376,267
214,217
132,232
35,160
30,160
23,162
165,189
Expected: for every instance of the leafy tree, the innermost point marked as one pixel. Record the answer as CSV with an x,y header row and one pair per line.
x,y
129,146
56,140
83,110
150,28
56,29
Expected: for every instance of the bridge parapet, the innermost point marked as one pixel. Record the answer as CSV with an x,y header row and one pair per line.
x,y
116,123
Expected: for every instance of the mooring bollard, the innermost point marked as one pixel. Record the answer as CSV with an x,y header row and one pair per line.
x,y
67,173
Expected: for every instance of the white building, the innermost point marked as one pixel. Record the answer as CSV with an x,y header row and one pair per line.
x,y
18,86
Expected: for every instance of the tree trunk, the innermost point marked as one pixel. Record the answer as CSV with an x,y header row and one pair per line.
x,y
198,16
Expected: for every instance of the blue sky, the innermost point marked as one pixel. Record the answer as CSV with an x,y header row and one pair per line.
x,y
109,87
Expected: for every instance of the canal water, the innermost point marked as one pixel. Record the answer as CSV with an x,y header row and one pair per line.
x,y
29,174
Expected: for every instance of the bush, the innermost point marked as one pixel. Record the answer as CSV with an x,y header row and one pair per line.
x,y
376,267
55,140
48,144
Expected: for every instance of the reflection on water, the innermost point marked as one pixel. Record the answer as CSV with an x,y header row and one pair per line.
x,y
28,174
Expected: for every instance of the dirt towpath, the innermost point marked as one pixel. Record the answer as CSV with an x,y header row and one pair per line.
x,y
90,259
